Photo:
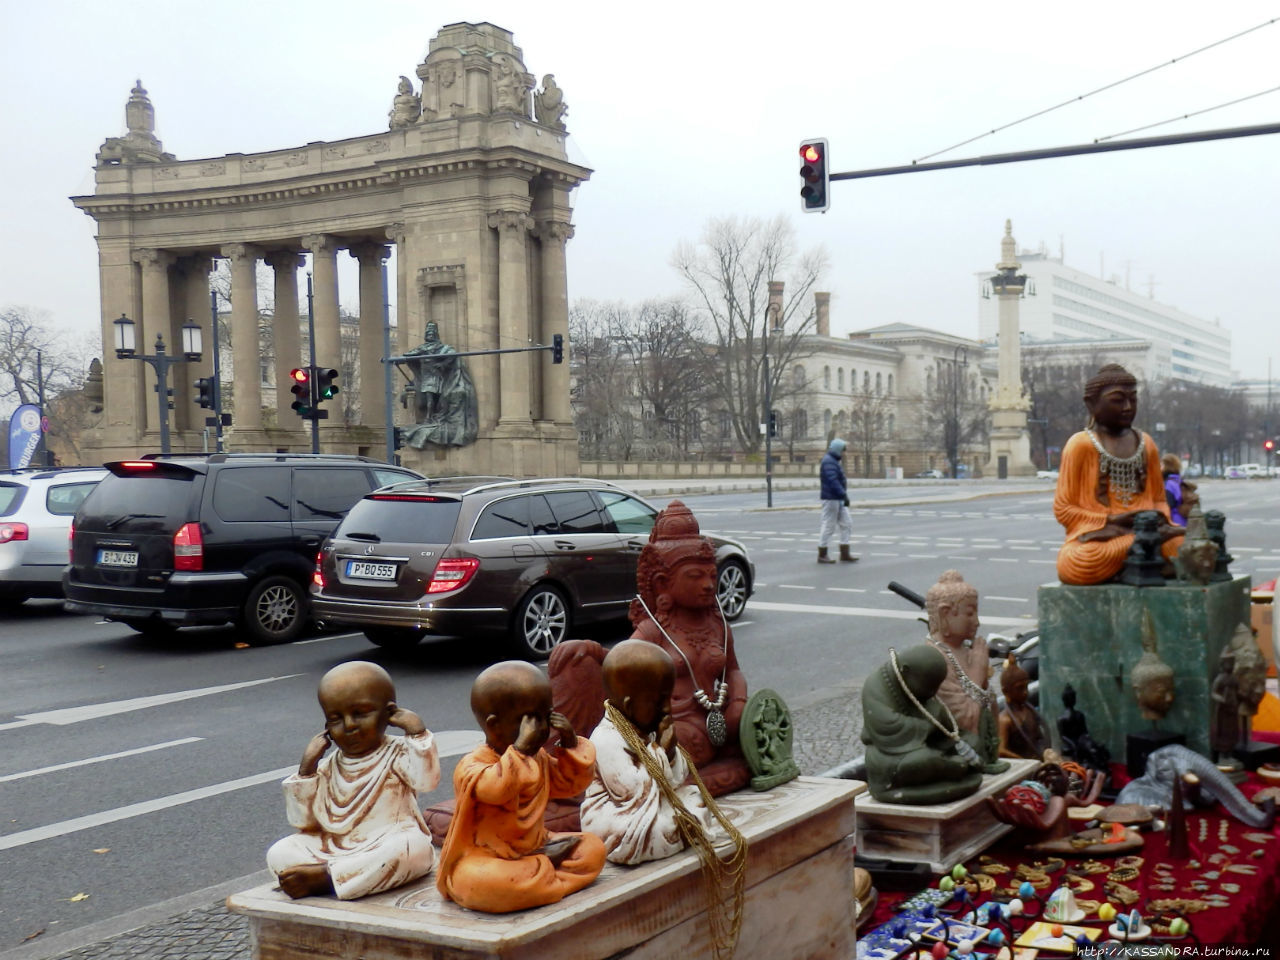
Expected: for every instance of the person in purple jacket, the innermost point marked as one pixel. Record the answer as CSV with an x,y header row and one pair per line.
x,y
1180,494
835,504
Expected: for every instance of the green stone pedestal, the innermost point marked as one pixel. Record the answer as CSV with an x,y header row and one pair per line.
x,y
1091,638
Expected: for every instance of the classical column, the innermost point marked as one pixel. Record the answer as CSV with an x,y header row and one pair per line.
x,y
1010,444
324,272
194,306
555,319
373,407
404,313
513,318
246,346
284,329
155,320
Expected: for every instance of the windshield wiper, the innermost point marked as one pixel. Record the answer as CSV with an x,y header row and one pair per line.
x,y
112,524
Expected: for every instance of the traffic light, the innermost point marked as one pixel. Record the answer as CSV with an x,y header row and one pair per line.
x,y
206,396
773,423
1268,445
814,176
397,437
326,384
304,402
557,348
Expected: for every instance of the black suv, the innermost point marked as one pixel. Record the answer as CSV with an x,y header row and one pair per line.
x,y
169,541
522,559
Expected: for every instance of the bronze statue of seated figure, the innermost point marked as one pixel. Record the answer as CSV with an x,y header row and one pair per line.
x,y
916,751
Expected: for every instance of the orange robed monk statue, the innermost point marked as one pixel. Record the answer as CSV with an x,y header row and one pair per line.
x,y
1109,473
498,855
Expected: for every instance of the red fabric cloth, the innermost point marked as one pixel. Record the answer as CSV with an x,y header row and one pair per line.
x,y
1243,921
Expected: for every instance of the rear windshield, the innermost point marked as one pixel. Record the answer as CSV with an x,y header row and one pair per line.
x,y
140,496
402,521
10,497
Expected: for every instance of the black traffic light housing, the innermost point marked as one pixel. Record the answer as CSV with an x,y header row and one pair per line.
x,y
398,437
773,423
206,395
814,176
326,381
557,348
304,400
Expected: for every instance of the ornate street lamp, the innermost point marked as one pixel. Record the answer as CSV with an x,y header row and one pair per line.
x,y
126,344
192,350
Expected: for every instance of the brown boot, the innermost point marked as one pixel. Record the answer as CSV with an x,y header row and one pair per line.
x,y
822,556
845,555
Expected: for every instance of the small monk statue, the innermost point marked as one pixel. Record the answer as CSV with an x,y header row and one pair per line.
x,y
676,608
357,809
952,605
498,856
631,803
1023,732
1109,473
1073,731
916,752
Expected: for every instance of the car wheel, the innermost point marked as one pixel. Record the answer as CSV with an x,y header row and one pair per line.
x,y
542,620
153,629
275,611
731,589
393,638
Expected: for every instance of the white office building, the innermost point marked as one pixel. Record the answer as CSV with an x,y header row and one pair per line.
x,y
1069,304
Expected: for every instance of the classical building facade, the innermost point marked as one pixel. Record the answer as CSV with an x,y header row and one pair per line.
x,y
472,185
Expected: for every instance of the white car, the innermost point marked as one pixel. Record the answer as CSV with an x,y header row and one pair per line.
x,y
1046,474
37,505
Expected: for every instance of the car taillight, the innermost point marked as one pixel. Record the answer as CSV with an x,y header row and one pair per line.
x,y
188,548
317,577
12,531
450,574
71,540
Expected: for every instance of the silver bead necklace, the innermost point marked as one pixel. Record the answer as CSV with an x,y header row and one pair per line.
x,y
962,746
717,729
1121,472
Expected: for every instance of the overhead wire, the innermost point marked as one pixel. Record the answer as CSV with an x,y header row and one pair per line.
x,y
1184,116
1109,86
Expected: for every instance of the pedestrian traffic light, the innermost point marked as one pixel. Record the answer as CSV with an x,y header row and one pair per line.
x,y
814,176
205,394
557,348
304,402
326,384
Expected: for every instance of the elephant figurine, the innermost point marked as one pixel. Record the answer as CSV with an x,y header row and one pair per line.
x,y
1155,787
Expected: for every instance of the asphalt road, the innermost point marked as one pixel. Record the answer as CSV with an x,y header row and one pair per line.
x,y
131,772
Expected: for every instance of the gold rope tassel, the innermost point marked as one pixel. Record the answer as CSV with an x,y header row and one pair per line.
x,y
724,878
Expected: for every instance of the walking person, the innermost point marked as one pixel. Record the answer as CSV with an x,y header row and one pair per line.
x,y
835,504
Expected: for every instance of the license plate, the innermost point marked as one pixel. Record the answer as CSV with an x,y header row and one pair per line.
x,y
117,558
371,571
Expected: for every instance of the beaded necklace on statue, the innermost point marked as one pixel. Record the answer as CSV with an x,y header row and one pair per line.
x,y
962,747
717,729
984,698
1121,472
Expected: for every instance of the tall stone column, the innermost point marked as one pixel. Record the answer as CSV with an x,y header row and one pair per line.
x,y
246,347
285,331
396,234
555,319
324,278
373,407
194,277
513,317
1010,452
156,321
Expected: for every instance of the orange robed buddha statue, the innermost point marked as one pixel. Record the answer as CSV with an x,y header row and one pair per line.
x,y
498,855
676,608
1109,473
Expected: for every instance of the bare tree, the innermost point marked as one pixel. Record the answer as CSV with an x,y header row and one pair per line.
x,y
601,373
870,426
729,272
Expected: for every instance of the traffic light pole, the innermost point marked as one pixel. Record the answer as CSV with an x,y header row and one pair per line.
x,y
311,371
217,371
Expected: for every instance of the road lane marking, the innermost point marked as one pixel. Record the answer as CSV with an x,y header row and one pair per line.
x,y
1036,549
332,636
832,610
449,743
795,586
1005,560
848,589
95,711
1006,599
922,556
107,756
884,554
962,558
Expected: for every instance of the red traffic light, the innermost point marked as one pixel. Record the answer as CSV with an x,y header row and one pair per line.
x,y
299,375
814,176
1268,444
810,153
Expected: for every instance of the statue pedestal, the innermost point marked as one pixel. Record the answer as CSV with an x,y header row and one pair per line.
x,y
799,901
940,835
1091,638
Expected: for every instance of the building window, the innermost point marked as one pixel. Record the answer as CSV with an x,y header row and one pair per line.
x,y
853,380
802,424
840,379
928,382
890,391
893,430
866,381
826,423
724,424
878,384
797,375
826,378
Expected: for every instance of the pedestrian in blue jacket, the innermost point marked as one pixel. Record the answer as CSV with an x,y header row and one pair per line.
x,y
835,504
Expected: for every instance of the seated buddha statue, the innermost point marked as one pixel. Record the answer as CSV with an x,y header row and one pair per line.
x,y
676,608
916,752
1110,472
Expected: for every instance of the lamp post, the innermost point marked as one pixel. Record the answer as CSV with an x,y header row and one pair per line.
x,y
958,356
770,325
192,349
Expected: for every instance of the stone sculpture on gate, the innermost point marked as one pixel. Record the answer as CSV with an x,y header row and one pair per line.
x,y
442,394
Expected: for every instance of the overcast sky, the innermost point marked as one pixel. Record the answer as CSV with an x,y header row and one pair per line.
x,y
693,110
